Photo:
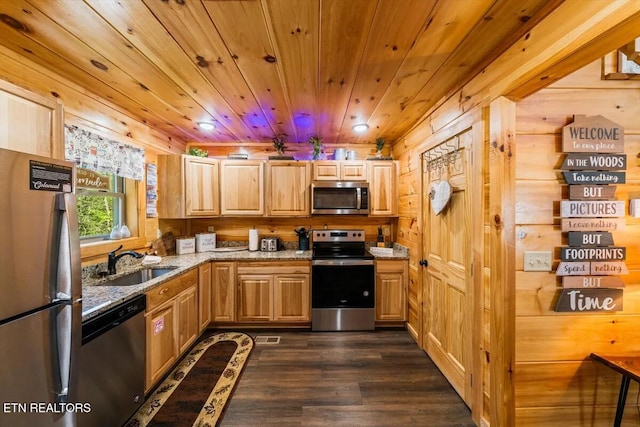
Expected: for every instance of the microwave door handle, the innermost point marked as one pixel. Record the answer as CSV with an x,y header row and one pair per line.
x,y
358,198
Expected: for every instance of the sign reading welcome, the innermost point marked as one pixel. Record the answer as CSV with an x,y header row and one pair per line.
x,y
592,135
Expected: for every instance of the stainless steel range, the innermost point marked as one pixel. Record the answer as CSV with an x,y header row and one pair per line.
x,y
343,282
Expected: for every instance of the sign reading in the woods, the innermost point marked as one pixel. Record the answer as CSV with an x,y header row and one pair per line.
x,y
590,265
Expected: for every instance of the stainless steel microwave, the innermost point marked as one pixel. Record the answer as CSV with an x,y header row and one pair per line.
x,y
340,197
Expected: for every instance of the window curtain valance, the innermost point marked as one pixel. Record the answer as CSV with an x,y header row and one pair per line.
x,y
90,151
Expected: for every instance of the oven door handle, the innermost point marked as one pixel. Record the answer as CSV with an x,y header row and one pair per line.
x,y
331,262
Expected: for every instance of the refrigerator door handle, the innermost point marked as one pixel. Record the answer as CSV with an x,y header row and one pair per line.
x,y
61,341
68,277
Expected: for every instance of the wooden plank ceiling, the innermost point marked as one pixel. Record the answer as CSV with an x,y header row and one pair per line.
x,y
260,68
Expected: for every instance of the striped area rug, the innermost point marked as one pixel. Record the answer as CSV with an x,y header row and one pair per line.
x,y
197,391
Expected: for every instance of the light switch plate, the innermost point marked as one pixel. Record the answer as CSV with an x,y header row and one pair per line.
x,y
537,260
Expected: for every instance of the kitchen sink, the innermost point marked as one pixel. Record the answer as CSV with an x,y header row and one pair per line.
x,y
138,277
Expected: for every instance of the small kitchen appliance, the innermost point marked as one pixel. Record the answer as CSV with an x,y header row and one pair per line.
x,y
340,197
269,244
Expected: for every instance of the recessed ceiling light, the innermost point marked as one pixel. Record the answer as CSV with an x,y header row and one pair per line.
x,y
206,125
360,127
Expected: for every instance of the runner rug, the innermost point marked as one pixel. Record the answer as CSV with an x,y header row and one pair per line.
x,y
198,389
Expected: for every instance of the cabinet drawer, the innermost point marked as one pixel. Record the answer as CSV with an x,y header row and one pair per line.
x,y
171,288
390,266
286,267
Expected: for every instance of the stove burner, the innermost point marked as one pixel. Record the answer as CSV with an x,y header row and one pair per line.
x,y
339,244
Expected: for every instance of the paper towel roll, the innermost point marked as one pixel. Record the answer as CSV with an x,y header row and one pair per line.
x,y
253,239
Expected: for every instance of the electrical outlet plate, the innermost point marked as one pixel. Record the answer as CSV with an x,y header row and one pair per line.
x,y
537,261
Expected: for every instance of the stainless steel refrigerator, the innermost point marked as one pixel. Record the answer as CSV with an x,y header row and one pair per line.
x,y
40,291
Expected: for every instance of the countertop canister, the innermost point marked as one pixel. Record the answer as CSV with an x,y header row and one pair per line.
x,y
205,242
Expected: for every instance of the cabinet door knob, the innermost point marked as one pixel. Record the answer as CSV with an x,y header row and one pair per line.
x,y
423,262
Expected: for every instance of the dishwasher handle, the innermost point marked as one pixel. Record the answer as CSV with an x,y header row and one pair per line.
x,y
96,326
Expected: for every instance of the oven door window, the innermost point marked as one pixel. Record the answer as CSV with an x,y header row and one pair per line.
x,y
335,198
349,286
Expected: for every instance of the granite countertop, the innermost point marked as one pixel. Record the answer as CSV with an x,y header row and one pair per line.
x,y
98,298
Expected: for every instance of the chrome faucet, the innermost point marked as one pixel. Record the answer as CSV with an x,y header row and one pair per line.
x,y
113,258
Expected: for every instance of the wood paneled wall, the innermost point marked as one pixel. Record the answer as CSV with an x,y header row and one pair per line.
x,y
237,229
555,381
83,109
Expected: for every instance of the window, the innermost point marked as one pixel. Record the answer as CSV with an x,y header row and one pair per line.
x,y
101,204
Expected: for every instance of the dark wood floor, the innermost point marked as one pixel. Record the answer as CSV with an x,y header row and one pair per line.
x,y
343,379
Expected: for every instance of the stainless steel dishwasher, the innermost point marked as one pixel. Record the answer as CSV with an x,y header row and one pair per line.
x,y
112,364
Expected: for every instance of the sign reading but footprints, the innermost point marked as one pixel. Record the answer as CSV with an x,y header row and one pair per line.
x,y
590,266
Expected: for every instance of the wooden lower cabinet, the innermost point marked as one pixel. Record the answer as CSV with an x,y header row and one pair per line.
x,y
188,325
171,324
291,298
162,346
204,295
391,290
223,293
255,301
274,292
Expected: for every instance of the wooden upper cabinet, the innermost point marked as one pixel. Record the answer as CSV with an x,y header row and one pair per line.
x,y
201,186
340,170
242,187
326,170
288,188
188,186
31,123
353,170
382,188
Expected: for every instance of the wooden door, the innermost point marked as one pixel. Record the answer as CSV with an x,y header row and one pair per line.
x,y
288,188
291,298
201,186
223,296
204,296
447,305
255,297
242,187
